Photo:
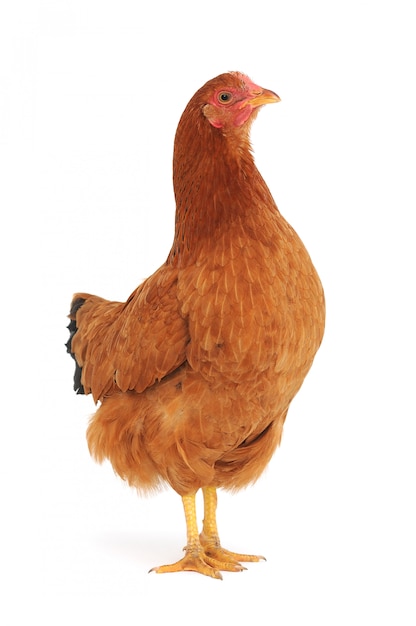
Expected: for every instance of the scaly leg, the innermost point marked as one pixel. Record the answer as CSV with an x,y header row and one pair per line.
x,y
210,541
194,559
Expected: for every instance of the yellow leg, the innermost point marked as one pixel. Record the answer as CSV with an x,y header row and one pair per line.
x,y
194,559
204,553
210,541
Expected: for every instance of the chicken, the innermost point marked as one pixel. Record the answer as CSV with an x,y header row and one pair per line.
x,y
195,372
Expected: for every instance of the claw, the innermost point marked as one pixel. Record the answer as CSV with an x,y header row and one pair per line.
x,y
204,553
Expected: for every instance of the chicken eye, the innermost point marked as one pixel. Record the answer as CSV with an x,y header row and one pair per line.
x,y
224,97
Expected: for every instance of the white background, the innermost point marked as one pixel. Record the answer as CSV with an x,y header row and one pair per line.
x,y
90,95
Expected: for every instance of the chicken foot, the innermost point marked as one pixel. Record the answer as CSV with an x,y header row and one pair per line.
x,y
203,553
194,559
210,540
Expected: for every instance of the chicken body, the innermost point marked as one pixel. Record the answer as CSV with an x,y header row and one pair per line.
x,y
196,371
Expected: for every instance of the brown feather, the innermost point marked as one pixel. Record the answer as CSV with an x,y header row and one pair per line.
x,y
196,371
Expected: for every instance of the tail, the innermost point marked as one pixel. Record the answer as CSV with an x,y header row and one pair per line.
x,y
72,327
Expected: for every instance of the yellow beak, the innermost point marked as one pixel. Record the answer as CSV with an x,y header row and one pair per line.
x,y
265,96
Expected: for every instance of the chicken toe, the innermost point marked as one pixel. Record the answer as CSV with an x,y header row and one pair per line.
x,y
210,540
215,552
193,561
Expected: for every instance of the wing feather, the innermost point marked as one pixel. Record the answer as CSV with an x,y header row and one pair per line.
x,y
131,345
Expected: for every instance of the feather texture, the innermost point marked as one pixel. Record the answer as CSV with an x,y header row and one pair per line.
x,y
195,372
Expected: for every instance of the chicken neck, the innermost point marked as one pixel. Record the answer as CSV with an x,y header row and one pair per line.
x,y
216,183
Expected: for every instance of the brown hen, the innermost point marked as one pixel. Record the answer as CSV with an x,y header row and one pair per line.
x,y
196,371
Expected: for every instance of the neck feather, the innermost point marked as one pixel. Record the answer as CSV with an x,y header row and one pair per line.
x,y
215,182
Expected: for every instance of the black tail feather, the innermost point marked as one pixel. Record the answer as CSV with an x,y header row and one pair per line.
x,y
72,327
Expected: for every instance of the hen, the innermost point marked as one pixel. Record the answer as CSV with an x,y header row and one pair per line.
x,y
196,371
